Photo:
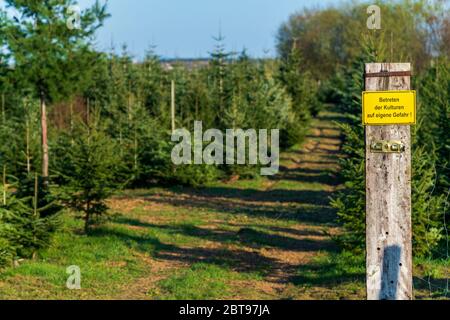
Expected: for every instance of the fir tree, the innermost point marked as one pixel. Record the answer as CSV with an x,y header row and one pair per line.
x,y
151,76
49,56
219,78
28,218
89,170
303,92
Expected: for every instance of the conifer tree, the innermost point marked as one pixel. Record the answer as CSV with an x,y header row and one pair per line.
x,y
299,84
28,218
49,56
151,77
89,169
219,78
4,68
434,95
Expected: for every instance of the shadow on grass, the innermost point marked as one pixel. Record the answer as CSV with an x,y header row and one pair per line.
x,y
332,117
321,176
142,243
245,236
309,163
236,258
250,237
328,151
436,288
325,156
314,211
331,270
307,197
314,233
327,135
240,202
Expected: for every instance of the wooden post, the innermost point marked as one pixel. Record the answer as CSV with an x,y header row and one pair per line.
x,y
44,141
388,197
172,112
27,148
4,185
35,199
3,109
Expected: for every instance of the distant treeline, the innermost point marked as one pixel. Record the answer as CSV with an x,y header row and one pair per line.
x,y
412,31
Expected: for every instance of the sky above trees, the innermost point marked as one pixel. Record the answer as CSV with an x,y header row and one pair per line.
x,y
184,29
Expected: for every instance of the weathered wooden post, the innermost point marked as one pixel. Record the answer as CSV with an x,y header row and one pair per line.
x,y
172,105
388,112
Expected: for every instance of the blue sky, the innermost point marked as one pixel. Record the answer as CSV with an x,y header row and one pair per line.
x,y
184,28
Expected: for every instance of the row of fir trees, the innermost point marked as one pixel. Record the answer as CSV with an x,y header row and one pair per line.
x,y
77,124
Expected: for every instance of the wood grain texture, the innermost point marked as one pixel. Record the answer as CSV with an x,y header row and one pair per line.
x,y
388,200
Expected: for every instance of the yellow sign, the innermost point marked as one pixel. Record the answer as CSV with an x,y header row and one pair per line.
x,y
389,107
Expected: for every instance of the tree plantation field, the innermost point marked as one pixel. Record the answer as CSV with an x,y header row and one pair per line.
x,y
257,239
97,202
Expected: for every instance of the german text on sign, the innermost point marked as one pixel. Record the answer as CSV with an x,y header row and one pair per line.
x,y
389,107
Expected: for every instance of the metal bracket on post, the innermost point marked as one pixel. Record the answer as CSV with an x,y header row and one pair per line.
x,y
386,74
387,146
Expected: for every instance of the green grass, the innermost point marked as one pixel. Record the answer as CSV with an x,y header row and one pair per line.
x,y
431,278
329,276
111,256
251,239
200,281
105,259
332,270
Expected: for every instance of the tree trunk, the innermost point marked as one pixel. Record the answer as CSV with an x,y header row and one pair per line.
x,y
172,104
44,141
28,147
3,109
87,218
4,185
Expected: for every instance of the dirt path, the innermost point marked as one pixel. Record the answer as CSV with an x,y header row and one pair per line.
x,y
269,238
270,226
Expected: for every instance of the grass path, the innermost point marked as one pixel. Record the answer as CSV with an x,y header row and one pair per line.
x,y
269,238
255,239
258,232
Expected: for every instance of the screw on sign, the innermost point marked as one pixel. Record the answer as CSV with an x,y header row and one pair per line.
x,y
389,110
